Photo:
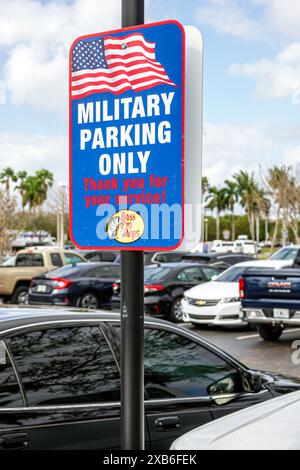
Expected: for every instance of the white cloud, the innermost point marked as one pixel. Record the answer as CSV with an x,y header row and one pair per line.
x,y
229,17
33,152
275,79
254,19
38,36
229,148
282,15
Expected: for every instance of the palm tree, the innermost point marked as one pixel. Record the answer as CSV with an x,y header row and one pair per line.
x,y
247,191
280,184
45,180
216,201
6,177
34,189
204,185
22,175
231,198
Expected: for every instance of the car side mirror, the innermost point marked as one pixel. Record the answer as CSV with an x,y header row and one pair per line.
x,y
252,382
257,382
214,277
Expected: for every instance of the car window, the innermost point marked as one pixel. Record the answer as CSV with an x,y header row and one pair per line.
x,y
72,258
56,259
193,274
93,256
109,257
10,394
104,272
66,366
231,274
285,254
30,259
210,272
66,271
167,257
156,274
178,367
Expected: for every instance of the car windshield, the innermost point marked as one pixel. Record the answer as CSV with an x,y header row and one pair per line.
x,y
11,261
65,271
285,254
156,274
231,275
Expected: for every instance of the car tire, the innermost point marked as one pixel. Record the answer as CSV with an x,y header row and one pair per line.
x,y
20,296
89,300
270,332
176,311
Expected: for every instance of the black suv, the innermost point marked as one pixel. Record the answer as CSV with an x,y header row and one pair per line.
x,y
60,381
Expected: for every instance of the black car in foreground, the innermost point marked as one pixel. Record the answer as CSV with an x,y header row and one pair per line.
x,y
60,381
165,285
87,285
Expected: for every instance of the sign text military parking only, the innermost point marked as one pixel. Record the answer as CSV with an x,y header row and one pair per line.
x,y
126,138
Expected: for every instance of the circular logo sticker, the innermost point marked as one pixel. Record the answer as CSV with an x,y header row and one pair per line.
x,y
125,226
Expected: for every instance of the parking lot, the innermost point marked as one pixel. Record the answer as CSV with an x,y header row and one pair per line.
x,y
250,349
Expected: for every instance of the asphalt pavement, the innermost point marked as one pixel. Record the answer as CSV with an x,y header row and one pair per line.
x,y
282,356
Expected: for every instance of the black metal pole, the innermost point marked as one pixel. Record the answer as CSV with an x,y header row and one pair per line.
x,y
132,313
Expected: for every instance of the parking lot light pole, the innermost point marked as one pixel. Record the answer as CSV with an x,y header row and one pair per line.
x,y
132,313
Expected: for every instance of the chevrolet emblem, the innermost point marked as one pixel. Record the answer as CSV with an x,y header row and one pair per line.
x,y
201,302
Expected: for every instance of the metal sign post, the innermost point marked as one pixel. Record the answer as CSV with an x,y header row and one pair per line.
x,y
127,105
132,313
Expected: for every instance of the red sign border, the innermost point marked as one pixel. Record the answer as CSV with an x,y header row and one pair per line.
x,y
127,247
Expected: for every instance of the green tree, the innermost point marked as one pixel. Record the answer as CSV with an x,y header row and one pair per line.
x,y
247,191
7,176
216,201
231,196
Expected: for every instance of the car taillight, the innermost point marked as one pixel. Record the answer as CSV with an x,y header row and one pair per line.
x,y
115,287
242,287
59,283
154,288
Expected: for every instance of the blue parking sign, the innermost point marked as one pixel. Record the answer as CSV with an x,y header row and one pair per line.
x,y
126,96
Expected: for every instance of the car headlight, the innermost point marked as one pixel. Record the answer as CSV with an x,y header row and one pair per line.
x,y
230,300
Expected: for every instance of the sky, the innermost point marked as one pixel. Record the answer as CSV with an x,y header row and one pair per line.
x,y
251,84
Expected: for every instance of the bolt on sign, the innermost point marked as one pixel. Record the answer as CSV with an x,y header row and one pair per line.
x,y
126,92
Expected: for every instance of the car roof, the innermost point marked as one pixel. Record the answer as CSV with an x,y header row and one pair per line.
x,y
273,424
179,265
87,265
18,316
258,263
214,254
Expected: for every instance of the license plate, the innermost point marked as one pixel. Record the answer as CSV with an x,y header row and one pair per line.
x,y
41,288
282,313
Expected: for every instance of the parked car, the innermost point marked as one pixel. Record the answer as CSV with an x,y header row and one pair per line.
x,y
221,260
272,425
218,302
271,300
87,285
168,256
248,247
165,285
288,256
99,256
15,280
148,255
220,246
66,394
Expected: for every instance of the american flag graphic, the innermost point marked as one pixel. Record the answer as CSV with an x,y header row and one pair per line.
x,y
115,65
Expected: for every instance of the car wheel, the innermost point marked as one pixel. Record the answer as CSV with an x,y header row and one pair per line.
x,y
270,332
89,300
20,295
176,311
